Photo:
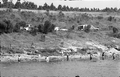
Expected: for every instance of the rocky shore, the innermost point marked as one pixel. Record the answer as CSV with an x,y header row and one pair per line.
x,y
52,58
93,52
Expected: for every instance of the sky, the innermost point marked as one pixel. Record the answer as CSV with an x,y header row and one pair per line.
x,y
79,3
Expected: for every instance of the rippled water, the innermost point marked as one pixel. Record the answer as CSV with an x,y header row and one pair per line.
x,y
62,69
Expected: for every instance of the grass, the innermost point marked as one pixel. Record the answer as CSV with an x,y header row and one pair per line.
x,y
25,40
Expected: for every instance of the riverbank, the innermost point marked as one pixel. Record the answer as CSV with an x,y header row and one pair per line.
x,y
39,58
68,52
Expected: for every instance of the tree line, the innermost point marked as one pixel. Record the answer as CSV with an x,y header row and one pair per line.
x,y
32,5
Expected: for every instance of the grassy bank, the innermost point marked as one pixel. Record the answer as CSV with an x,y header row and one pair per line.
x,y
23,42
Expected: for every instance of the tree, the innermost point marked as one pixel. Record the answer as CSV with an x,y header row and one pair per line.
x,y
3,27
40,7
47,24
52,7
9,27
5,3
59,7
46,6
71,8
17,4
10,5
64,8
29,5
68,9
18,25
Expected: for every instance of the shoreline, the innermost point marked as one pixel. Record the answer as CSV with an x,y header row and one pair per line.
x,y
39,58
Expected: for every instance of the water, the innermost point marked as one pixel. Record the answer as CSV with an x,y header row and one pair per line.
x,y
104,68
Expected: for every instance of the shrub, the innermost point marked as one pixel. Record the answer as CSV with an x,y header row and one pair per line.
x,y
117,35
6,26
61,14
46,27
72,28
51,28
9,27
3,27
110,18
40,28
87,28
115,30
18,25
85,17
110,27
100,17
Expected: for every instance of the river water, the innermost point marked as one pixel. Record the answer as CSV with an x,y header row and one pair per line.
x,y
103,68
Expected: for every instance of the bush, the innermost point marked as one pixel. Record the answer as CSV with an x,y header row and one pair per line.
x,y
51,28
110,27
18,25
115,30
46,27
117,35
9,27
34,30
87,28
40,28
6,26
61,14
3,27
110,18
100,17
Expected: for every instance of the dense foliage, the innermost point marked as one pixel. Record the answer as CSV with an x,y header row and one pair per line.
x,y
32,5
47,27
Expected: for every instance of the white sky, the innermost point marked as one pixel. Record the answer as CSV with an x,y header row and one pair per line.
x,y
80,3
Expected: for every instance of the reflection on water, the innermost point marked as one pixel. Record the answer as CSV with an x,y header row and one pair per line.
x,y
62,69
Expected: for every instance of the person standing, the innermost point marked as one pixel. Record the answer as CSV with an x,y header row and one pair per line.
x,y
113,55
18,58
47,59
67,57
90,56
103,55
